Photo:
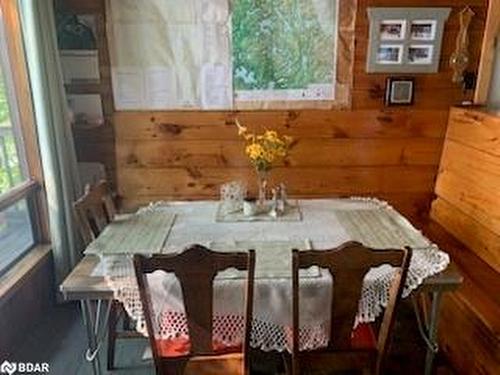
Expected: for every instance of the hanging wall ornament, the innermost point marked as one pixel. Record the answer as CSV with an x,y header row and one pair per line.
x,y
460,59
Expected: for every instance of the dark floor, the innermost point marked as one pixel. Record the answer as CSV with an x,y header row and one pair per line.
x,y
60,340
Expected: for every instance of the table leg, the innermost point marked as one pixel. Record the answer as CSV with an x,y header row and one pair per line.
x,y
429,331
92,317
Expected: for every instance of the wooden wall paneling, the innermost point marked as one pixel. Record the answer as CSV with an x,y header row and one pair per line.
x,y
473,348
427,95
468,182
366,124
177,183
202,142
468,206
472,233
475,129
26,302
481,281
95,145
188,154
470,179
327,152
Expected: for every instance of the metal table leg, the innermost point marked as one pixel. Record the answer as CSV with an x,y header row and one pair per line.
x,y
428,328
92,316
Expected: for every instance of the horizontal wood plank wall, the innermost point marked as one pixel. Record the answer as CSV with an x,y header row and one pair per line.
x,y
468,206
369,150
469,318
468,184
185,154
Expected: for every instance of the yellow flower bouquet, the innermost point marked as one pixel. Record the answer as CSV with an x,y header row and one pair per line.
x,y
264,149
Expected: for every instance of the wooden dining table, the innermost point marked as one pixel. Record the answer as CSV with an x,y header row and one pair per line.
x,y
95,295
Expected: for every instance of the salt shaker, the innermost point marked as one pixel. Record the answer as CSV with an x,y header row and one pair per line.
x,y
274,208
284,195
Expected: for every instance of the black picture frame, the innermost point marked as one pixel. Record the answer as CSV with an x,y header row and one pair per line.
x,y
399,91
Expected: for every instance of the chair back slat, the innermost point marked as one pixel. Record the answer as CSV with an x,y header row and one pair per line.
x,y
94,210
196,268
348,265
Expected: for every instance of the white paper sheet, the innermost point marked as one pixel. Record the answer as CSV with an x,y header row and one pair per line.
x,y
216,92
128,88
166,54
160,87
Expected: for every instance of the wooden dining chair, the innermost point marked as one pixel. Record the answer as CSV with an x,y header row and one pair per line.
x,y
93,211
359,349
200,353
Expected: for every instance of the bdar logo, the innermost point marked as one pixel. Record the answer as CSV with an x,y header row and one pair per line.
x,y
8,368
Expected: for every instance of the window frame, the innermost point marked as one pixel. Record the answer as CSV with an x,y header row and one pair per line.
x,y
31,189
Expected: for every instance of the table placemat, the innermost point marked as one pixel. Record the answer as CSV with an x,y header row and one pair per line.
x,y
379,229
273,259
292,213
140,233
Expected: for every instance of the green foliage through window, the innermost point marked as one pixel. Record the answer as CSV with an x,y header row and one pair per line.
x,y
4,105
10,169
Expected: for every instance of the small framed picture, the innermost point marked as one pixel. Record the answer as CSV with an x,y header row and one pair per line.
x,y
388,54
420,54
399,91
392,29
423,30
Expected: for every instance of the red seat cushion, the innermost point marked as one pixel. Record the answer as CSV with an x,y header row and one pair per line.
x,y
181,346
363,337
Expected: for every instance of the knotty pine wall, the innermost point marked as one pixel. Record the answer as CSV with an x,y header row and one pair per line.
x,y
468,207
467,188
372,150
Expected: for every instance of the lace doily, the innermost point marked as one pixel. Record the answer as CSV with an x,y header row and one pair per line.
x,y
327,223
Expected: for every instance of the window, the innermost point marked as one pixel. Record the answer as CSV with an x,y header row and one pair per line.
x,y
12,167
19,200
16,234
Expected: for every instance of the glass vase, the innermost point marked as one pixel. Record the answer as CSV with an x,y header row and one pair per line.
x,y
262,184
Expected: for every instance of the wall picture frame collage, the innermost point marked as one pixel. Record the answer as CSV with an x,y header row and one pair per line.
x,y
405,40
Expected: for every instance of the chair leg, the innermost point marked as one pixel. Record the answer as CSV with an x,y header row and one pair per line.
x,y
127,322
112,323
286,365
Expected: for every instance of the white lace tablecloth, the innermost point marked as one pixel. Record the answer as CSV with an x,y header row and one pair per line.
x,y
325,224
